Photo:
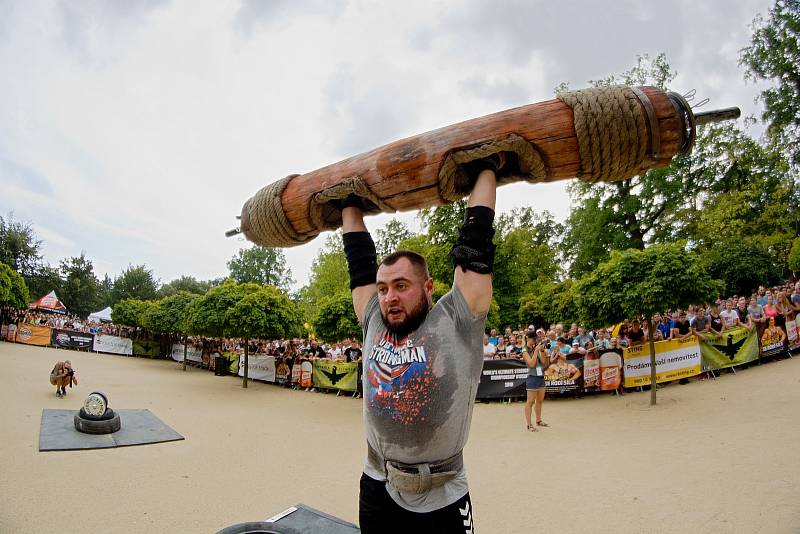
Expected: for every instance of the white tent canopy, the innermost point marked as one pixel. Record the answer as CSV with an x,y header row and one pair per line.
x,y
102,315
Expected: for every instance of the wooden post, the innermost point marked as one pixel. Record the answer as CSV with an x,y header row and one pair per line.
x,y
185,350
246,362
652,344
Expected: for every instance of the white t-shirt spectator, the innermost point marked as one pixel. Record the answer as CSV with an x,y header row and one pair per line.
x,y
729,318
489,350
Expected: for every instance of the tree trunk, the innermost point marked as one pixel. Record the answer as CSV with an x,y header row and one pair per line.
x,y
652,344
185,350
246,361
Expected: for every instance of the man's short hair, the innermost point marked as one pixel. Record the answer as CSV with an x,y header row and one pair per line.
x,y
417,260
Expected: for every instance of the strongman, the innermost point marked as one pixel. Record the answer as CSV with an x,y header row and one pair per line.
x,y
422,365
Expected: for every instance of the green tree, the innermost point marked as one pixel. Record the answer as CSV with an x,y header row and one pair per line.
x,y
13,290
390,236
19,247
336,320
169,316
44,279
134,283
206,314
261,265
794,256
134,313
742,264
520,263
637,283
106,288
774,55
80,290
328,277
549,304
628,213
266,313
185,283
741,190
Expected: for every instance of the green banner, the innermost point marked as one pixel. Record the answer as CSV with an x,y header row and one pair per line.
x,y
732,347
148,349
335,375
233,358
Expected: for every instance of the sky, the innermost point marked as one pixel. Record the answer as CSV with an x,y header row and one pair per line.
x,y
133,131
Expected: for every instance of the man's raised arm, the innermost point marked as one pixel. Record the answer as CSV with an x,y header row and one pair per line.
x,y
473,253
361,256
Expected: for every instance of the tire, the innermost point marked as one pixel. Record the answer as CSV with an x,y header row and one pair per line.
x,y
258,527
97,427
89,417
96,404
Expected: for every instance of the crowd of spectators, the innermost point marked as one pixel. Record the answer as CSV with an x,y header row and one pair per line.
x,y
64,322
767,306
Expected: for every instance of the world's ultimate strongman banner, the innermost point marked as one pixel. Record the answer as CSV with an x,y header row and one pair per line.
x,y
502,379
71,339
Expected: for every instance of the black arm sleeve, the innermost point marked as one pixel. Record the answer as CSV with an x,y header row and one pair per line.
x,y
362,262
474,249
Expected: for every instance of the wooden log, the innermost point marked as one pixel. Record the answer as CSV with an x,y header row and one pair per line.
x,y
406,174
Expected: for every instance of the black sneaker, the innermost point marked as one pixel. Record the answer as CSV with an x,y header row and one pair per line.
x,y
58,394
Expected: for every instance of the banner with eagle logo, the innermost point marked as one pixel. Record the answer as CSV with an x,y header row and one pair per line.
x,y
732,347
335,375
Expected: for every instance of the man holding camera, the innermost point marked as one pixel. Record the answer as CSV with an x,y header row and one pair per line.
x,y
61,376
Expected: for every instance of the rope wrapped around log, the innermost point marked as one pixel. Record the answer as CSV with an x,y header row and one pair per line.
x,y
605,131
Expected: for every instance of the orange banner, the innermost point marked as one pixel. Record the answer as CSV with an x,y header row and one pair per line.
x,y
32,334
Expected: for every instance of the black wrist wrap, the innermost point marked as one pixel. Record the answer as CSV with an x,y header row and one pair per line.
x,y
474,249
361,258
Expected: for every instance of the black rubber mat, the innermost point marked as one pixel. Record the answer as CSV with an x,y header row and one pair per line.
x,y
139,427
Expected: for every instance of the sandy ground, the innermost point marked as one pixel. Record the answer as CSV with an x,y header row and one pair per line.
x,y
717,456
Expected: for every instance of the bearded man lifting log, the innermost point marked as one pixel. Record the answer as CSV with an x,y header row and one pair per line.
x,y
422,362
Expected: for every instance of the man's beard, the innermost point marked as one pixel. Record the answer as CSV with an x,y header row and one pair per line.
x,y
412,321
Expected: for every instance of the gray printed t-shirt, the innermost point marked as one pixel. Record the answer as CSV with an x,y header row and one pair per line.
x,y
419,392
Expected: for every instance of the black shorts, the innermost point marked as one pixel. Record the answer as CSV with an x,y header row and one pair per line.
x,y
377,512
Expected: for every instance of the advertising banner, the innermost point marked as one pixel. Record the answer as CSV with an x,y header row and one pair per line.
x,y
564,375
259,367
793,333
193,354
11,332
233,358
112,344
305,374
296,372
148,349
502,379
282,373
4,331
602,372
728,349
772,337
32,334
335,375
674,360
71,339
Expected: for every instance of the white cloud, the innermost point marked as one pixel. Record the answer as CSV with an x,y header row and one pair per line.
x,y
136,130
